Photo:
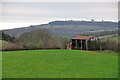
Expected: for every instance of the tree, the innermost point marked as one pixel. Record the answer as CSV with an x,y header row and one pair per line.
x,y
6,37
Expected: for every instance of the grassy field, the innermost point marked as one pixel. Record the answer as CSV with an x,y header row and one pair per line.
x,y
111,37
59,64
115,38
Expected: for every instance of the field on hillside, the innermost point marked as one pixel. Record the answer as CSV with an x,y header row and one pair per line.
x,y
115,39
111,37
59,64
7,45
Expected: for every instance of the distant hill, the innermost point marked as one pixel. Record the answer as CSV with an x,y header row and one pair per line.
x,y
66,28
90,23
18,31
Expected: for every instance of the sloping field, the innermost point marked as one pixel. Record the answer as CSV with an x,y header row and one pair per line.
x,y
111,38
7,45
59,64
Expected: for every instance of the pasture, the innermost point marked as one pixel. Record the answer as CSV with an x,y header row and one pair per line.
x,y
111,38
59,64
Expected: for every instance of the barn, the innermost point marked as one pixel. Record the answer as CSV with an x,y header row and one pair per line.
x,y
82,42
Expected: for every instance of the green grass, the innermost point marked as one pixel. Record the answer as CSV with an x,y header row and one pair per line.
x,y
111,38
107,36
59,64
115,38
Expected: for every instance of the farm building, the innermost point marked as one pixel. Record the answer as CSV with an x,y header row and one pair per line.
x,y
82,42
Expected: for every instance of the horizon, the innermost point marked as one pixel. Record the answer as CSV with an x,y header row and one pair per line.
x,y
20,14
23,25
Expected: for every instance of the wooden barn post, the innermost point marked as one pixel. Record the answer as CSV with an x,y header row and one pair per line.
x,y
76,43
81,45
86,44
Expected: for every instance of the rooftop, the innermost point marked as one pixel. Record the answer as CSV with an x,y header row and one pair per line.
x,y
82,37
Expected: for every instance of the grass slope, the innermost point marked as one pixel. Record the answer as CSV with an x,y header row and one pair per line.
x,y
5,45
59,64
113,38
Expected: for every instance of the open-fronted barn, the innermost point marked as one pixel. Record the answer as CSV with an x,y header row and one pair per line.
x,y
82,42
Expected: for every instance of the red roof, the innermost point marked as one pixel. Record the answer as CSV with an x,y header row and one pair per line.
x,y
82,37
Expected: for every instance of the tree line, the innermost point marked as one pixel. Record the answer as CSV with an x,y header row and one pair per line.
x,y
104,45
43,39
40,39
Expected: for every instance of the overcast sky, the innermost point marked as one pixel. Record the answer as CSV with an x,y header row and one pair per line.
x,y
22,14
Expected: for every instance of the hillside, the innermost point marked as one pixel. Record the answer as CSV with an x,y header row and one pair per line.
x,y
4,45
113,38
40,39
67,28
18,31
